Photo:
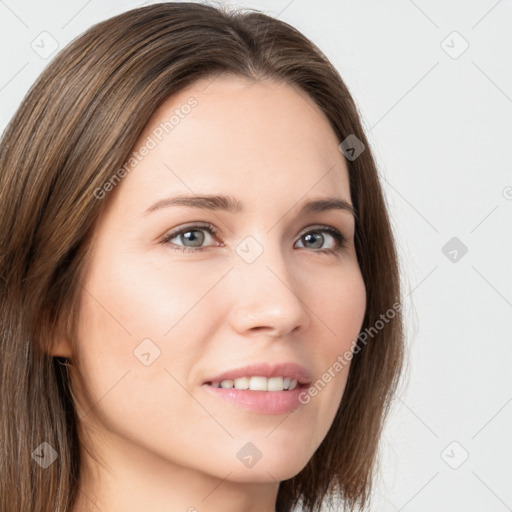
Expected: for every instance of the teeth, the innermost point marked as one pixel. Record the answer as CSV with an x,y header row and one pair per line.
x,y
258,383
241,383
275,384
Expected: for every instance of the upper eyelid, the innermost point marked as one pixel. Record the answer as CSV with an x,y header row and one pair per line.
x,y
172,233
190,227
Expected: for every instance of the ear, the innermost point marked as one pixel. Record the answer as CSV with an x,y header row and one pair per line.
x,y
61,348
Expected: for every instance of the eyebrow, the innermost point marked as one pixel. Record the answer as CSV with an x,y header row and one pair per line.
x,y
232,204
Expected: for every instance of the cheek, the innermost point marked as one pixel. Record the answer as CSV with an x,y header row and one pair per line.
x,y
133,320
128,300
341,311
342,307
131,374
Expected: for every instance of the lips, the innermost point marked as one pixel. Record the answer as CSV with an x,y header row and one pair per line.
x,y
286,370
270,402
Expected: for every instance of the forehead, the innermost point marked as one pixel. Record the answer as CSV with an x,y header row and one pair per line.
x,y
240,137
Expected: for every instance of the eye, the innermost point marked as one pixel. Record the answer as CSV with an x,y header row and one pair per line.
x,y
315,239
193,235
191,238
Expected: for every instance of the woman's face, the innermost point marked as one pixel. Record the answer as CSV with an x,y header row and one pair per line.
x,y
162,316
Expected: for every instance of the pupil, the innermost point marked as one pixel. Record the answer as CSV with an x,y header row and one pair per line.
x,y
319,239
191,237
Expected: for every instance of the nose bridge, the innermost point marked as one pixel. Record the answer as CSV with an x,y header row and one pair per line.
x,y
267,296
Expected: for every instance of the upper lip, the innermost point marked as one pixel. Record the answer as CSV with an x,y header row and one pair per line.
x,y
290,370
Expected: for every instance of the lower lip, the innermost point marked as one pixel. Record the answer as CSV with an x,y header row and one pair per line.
x,y
263,402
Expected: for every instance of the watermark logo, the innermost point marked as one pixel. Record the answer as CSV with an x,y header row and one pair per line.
x,y
454,45
454,249
146,352
45,455
351,147
249,249
45,45
249,454
454,455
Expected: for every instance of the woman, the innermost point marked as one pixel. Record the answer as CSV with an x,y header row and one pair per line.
x,y
200,290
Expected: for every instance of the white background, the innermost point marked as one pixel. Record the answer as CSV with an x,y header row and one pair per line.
x,y
441,130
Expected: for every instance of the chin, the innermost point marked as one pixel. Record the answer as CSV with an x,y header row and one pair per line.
x,y
277,467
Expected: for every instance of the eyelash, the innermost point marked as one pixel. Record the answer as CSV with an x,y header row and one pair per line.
x,y
339,237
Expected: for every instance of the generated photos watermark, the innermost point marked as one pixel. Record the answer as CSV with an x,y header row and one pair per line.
x,y
344,359
151,142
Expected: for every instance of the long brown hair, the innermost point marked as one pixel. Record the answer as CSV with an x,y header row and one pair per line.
x,y
76,126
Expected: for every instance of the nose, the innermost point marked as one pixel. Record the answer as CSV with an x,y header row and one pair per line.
x,y
267,297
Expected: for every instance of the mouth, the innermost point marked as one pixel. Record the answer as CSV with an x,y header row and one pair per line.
x,y
262,388
263,377
259,383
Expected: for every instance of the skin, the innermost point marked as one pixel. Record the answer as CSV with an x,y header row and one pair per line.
x,y
164,443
